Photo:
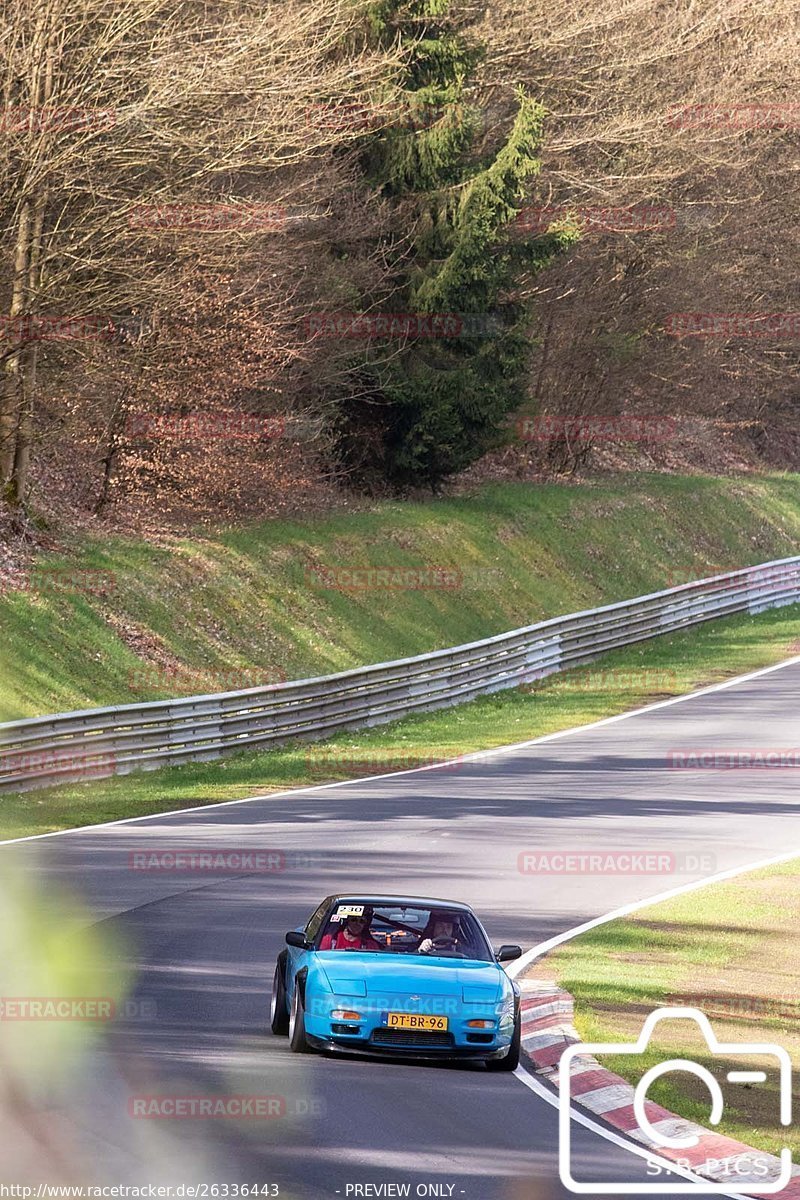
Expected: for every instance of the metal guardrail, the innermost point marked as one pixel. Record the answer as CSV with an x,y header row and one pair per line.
x,y
117,740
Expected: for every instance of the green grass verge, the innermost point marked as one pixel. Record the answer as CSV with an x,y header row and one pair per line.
x,y
729,949
244,603
668,665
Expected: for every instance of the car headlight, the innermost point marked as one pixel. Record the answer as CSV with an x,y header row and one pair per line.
x,y
506,1009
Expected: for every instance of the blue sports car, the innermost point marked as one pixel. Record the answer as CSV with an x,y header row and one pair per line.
x,y
397,975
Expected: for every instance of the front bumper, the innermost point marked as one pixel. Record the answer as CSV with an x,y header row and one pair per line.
x,y
371,1036
367,1049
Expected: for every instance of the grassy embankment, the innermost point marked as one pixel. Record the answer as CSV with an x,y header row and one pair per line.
x,y
213,612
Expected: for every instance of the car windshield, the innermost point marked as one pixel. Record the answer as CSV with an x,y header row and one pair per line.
x,y
405,929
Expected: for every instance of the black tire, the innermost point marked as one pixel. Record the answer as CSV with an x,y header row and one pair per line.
x,y
511,1060
297,1024
278,1015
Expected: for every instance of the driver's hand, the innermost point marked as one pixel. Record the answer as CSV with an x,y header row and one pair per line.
x,y
426,945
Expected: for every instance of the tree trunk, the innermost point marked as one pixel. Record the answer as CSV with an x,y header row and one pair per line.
x,y
28,272
18,484
18,487
11,396
112,451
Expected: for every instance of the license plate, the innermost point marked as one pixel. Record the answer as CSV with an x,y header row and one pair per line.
x,y
427,1021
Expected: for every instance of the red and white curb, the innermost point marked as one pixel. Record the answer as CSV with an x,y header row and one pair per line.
x,y
548,1029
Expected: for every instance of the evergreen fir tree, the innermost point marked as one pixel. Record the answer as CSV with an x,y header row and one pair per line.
x,y
442,401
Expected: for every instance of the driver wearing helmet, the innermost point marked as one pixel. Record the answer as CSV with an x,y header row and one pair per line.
x,y
440,934
354,934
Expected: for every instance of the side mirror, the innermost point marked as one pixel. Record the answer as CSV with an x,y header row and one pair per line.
x,y
293,938
506,953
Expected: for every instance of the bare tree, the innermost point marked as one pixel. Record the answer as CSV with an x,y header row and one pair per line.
x,y
690,109
128,130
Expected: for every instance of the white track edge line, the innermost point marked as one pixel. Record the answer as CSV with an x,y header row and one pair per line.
x,y
473,756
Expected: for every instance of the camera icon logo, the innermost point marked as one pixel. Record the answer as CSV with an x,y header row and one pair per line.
x,y
673,1139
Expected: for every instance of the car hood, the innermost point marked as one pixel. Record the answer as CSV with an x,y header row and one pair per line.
x,y
427,976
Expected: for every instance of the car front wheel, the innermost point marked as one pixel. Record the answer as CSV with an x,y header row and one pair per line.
x,y
511,1060
297,1024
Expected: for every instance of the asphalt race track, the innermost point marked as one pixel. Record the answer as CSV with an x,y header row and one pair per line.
x,y
203,948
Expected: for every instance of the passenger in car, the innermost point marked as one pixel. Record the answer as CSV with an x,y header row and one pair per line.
x,y
354,935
